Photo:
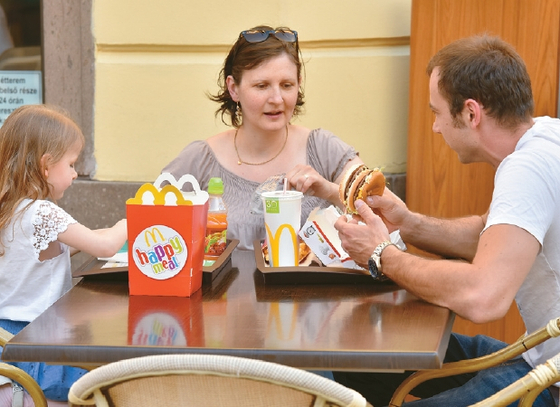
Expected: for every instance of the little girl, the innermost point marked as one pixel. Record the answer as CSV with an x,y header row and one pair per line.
x,y
39,146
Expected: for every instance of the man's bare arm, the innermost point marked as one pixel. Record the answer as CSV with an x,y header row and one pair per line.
x,y
450,238
480,291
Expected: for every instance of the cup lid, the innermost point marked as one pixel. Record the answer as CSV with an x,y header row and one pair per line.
x,y
282,195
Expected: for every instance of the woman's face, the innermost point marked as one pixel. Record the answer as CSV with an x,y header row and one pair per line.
x,y
267,93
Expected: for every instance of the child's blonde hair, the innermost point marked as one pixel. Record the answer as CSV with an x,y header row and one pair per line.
x,y
29,133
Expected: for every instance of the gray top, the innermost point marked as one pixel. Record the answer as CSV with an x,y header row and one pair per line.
x,y
326,153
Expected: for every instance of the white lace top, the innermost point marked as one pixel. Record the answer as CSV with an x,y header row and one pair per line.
x,y
29,286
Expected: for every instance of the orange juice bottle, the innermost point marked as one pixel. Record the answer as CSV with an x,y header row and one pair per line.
x,y
216,227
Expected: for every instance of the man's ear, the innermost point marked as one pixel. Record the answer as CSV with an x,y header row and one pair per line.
x,y
45,164
232,88
472,112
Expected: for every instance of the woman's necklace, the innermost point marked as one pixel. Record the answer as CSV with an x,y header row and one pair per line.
x,y
240,161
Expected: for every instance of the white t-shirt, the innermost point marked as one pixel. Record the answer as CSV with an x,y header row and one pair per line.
x,y
30,286
527,194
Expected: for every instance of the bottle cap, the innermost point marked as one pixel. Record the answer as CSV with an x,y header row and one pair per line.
x,y
215,186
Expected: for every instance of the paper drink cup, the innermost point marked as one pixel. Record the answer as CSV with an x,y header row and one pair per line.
x,y
282,221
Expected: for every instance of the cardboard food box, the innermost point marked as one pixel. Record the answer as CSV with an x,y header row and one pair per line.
x,y
166,231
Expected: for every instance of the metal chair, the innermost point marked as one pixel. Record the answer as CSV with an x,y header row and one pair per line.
x,y
20,376
551,330
206,381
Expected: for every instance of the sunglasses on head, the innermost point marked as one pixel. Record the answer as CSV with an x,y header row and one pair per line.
x,y
261,35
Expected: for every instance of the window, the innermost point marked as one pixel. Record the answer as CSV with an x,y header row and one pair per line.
x,y
21,78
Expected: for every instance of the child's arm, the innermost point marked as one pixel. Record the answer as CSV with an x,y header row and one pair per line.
x,y
99,242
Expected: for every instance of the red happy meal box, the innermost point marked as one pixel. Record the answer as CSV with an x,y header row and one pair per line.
x,y
166,230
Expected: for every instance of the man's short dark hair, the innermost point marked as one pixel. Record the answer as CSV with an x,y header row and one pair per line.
x,y
488,70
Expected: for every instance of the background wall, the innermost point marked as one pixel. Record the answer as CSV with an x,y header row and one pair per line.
x,y
156,61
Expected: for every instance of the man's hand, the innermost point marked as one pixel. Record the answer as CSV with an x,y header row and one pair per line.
x,y
390,208
360,239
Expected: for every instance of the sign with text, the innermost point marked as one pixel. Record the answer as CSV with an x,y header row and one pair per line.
x,y
18,88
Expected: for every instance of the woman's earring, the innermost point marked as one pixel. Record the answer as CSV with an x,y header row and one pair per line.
x,y
238,113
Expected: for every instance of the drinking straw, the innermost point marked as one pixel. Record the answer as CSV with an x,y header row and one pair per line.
x,y
285,185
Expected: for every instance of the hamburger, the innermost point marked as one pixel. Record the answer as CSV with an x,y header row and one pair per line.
x,y
360,182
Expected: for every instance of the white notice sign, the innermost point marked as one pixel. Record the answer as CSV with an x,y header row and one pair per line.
x,y
18,88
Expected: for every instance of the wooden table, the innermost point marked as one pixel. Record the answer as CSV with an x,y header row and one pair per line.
x,y
365,327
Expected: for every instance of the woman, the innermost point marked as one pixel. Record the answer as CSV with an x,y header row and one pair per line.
x,y
260,94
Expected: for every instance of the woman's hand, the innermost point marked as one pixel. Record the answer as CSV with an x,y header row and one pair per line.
x,y
304,178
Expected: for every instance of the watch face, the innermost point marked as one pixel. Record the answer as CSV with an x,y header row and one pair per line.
x,y
373,270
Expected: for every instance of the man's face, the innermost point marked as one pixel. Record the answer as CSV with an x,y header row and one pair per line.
x,y
455,131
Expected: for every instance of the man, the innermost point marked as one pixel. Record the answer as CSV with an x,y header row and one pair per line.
x,y
480,94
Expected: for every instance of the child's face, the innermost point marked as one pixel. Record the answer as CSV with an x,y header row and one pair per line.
x,y
61,174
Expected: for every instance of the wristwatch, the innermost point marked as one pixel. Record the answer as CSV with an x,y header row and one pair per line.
x,y
374,261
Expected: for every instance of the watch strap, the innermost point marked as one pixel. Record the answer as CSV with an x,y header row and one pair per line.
x,y
374,263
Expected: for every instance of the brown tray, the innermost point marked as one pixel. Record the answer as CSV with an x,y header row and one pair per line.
x,y
92,268
318,274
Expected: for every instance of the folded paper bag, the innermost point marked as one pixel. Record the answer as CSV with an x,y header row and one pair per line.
x,y
166,230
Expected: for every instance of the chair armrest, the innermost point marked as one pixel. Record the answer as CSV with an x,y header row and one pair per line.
x,y
527,388
5,336
26,381
552,329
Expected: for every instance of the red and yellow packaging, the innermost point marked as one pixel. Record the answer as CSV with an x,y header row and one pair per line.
x,y
166,231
